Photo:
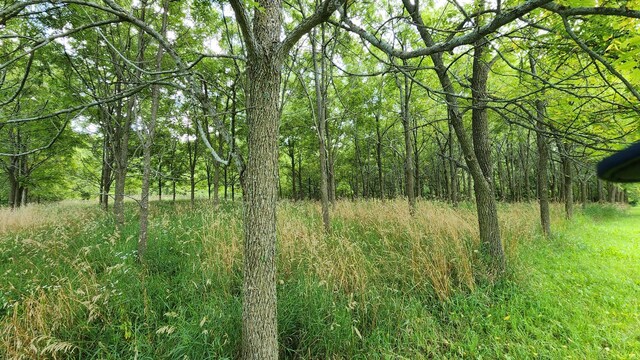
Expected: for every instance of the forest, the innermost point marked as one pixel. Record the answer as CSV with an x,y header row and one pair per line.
x,y
317,179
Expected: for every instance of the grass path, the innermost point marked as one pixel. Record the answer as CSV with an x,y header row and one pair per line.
x,y
586,283
575,296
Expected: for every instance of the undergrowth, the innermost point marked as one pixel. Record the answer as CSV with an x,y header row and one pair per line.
x,y
382,285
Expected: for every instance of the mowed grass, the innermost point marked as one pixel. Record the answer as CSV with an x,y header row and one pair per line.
x,y
382,285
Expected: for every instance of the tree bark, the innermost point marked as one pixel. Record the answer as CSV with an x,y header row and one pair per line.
x,y
600,191
452,171
476,155
485,197
542,184
567,176
409,172
291,147
321,122
379,156
147,142
259,315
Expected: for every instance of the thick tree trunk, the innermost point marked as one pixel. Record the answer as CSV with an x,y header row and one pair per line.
x,y
259,315
485,198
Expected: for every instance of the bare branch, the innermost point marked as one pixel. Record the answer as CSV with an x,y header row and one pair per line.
x,y
499,20
322,14
598,10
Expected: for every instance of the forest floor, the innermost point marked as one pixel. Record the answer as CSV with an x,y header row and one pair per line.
x,y
382,285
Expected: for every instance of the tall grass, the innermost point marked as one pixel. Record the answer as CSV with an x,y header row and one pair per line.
x,y
39,215
72,288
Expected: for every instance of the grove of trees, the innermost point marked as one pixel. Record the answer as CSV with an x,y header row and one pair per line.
x,y
457,101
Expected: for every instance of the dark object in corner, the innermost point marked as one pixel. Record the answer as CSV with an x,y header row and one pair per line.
x,y
623,166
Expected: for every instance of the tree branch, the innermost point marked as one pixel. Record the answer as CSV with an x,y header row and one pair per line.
x,y
245,26
501,19
322,14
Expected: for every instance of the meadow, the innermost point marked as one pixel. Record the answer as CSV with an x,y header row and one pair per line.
x,y
383,284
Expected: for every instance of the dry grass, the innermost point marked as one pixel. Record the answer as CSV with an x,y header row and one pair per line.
x,y
71,284
435,249
36,216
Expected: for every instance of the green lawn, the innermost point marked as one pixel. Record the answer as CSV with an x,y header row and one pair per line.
x,y
72,288
584,288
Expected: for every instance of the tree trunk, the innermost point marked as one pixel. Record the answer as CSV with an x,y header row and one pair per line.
x,y
567,176
600,191
147,144
452,171
292,156
300,187
379,156
543,166
123,129
318,67
542,184
485,198
613,193
13,182
192,152
331,175
583,193
259,315
409,172
216,174
192,183
23,196
122,159
416,159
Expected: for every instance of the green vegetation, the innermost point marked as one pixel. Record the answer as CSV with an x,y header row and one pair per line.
x,y
382,285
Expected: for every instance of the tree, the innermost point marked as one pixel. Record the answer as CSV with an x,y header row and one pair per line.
x,y
265,55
